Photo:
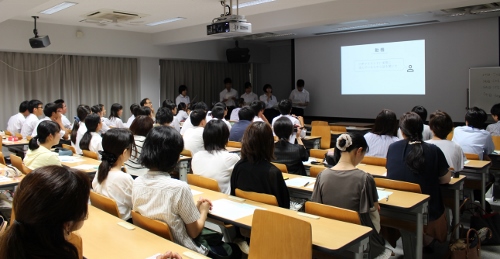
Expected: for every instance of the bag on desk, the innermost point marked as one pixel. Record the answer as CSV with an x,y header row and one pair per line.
x,y
218,249
468,246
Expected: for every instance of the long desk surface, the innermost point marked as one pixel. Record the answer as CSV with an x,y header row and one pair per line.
x,y
10,182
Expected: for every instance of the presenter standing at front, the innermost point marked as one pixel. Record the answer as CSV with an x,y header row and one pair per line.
x,y
300,98
228,96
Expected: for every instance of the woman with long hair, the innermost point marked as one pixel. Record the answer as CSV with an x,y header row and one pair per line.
x,y
91,140
114,117
79,128
383,134
39,154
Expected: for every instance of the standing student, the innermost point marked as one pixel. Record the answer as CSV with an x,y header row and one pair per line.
x,y
287,153
173,109
383,134
472,137
110,180
39,154
50,203
16,121
79,127
494,128
183,97
193,137
91,140
114,116
182,110
229,95
63,109
285,107
139,128
101,111
35,107
133,111
300,98
249,96
246,117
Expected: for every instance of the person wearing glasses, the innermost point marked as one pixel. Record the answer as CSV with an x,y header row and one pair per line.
x,y
147,103
35,108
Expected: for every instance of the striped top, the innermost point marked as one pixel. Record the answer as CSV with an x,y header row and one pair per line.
x,y
132,164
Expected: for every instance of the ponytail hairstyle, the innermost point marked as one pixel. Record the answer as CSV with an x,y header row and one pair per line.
x,y
115,108
81,111
91,122
114,142
44,129
348,142
411,125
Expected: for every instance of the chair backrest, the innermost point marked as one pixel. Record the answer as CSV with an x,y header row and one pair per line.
x,y
319,123
203,182
154,226
450,135
66,146
234,144
471,156
8,133
2,159
276,235
333,212
90,154
17,162
338,128
318,153
258,197
397,185
281,167
104,203
187,153
315,170
372,160
324,133
496,141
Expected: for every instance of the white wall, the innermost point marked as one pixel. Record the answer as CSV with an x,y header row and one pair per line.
x,y
149,80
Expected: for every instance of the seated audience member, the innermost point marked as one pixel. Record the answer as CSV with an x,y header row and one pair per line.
x,y
234,113
110,180
51,114
383,134
187,124
114,117
412,160
173,110
91,140
422,112
471,137
219,111
147,103
193,137
35,108
287,153
145,111
246,116
79,127
164,117
441,125
101,111
285,107
249,96
63,109
133,111
254,172
182,110
215,161
39,154
139,128
350,188
51,202
258,109
157,196
16,121
494,128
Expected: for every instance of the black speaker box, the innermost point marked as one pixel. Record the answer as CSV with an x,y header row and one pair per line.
x,y
40,42
238,55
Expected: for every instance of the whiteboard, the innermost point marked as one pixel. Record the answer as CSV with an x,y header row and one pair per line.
x,y
484,87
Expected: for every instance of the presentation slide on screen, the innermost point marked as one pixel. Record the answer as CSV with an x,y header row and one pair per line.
x,y
392,68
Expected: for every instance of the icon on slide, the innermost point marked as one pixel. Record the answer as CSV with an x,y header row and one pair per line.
x,y
409,69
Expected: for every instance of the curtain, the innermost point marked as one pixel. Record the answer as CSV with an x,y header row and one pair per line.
x,y
204,79
76,79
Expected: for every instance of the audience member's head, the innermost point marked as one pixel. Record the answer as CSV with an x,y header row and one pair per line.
x,y
257,107
61,105
475,117
411,126
421,111
115,111
170,105
50,110
198,117
144,110
146,102
117,145
164,116
285,106
240,102
283,128
133,108
35,107
141,125
386,123
93,124
215,136
200,105
351,144
218,112
24,108
440,124
258,143
46,132
495,111
246,114
182,106
161,149
81,114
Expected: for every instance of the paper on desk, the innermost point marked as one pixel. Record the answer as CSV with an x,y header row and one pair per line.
x,y
86,167
5,179
70,159
300,181
195,192
382,195
311,186
232,210
466,162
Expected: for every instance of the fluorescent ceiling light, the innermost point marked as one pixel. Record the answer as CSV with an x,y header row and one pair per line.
x,y
362,26
58,7
166,21
252,3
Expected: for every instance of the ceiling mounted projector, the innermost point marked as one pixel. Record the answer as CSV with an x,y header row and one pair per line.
x,y
39,41
229,25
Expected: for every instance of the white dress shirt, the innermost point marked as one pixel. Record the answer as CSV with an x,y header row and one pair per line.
x,y
187,125
229,96
29,125
193,139
294,121
182,115
95,142
218,166
249,98
273,101
117,186
473,140
116,122
66,123
175,124
182,99
299,97
79,135
130,120
379,144
234,114
452,152
34,133
15,123
104,124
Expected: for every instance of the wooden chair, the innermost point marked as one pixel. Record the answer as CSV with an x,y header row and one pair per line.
x,y
496,141
281,167
319,123
332,212
90,154
276,235
8,133
471,156
66,146
203,182
104,203
450,135
156,227
17,162
234,144
372,160
2,159
315,170
324,133
258,197
318,153
187,153
397,185
338,128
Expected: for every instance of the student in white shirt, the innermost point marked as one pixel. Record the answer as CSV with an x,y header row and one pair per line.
x,y
229,95
173,108
110,180
101,111
268,98
91,140
35,107
219,112
258,108
182,112
285,107
51,112
140,128
63,109
422,112
114,116
383,134
215,161
133,111
300,98
249,96
187,123
183,97
79,127
39,154
193,137
471,138
234,113
16,121
494,128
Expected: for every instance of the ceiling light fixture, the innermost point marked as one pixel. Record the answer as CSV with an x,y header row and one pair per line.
x,y
252,3
362,26
58,7
166,21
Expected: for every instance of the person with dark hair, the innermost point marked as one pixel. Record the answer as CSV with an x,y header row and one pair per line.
x,y
494,128
50,203
234,113
350,188
101,111
229,95
164,117
441,125
110,180
422,112
383,134
287,153
300,98
412,160
145,111
187,123
268,98
219,112
79,127
173,110
140,129
158,196
254,172
16,121
215,161
193,137
147,103
472,137
182,112
133,111
114,116
183,97
35,108
285,107
249,96
91,140
39,154
246,117
51,114
63,109
258,108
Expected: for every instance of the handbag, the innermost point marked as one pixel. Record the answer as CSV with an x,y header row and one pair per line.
x,y
480,219
217,248
468,246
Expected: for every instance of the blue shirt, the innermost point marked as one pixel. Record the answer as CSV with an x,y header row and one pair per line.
x,y
473,140
238,129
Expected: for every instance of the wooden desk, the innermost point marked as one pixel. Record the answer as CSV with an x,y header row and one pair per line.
x,y
353,124
328,235
86,164
104,238
234,149
20,142
479,167
12,182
